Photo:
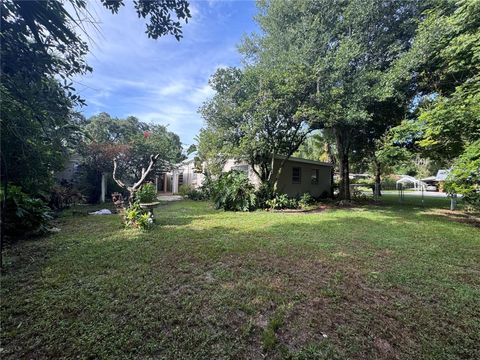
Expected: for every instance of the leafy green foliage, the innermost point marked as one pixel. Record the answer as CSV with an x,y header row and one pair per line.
x,y
444,64
254,116
146,194
282,201
185,189
189,192
41,52
464,177
137,218
264,193
129,140
305,200
233,192
25,215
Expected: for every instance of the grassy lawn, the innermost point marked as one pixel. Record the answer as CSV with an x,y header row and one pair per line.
x,y
389,281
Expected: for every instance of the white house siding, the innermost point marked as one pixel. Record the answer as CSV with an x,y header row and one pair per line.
x,y
234,165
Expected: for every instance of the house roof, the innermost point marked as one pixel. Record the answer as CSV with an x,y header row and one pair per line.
x,y
306,161
294,159
442,175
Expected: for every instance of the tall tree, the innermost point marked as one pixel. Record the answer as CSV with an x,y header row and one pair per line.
x,y
255,116
347,47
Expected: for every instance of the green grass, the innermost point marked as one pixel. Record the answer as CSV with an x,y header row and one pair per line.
x,y
379,281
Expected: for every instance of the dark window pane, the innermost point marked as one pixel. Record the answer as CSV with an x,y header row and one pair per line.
x,y
315,176
296,175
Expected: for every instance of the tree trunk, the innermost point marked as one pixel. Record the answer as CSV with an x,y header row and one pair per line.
x,y
343,164
133,189
378,179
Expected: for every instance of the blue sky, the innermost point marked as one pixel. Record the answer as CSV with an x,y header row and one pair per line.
x,y
162,81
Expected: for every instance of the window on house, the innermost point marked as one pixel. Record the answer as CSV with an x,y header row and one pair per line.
x,y
194,176
296,175
315,176
180,179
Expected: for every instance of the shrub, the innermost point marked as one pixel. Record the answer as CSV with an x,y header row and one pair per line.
x,y
282,201
233,192
465,176
207,187
184,190
305,200
63,196
24,214
146,194
264,194
197,195
137,218
358,194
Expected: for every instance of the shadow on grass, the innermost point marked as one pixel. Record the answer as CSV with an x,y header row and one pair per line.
x,y
380,283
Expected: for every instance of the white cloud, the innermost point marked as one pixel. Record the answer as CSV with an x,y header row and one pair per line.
x,y
163,81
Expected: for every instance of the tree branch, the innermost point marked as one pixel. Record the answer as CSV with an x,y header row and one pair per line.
x,y
153,160
118,181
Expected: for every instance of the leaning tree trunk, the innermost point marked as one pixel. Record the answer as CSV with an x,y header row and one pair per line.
x,y
134,188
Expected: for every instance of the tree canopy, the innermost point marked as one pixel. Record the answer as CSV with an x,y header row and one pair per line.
x,y
255,116
40,53
346,50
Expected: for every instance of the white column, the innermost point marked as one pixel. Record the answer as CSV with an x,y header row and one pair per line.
x,y
174,182
104,187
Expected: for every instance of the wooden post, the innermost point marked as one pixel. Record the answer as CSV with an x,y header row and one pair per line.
x,y
165,182
156,183
104,187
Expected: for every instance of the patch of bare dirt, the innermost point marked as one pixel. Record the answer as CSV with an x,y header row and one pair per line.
x,y
458,216
319,209
322,302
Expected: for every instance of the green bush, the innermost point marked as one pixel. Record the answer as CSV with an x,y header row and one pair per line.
x,y
264,194
306,200
233,192
63,196
188,191
282,201
184,190
137,218
146,194
197,195
465,176
24,214
207,188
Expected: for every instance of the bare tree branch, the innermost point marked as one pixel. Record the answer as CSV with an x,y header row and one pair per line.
x,y
118,181
132,189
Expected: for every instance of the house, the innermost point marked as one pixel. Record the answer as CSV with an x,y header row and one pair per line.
x,y
437,181
298,176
